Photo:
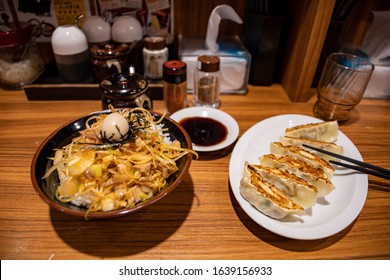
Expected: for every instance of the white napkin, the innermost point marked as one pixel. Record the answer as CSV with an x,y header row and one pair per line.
x,y
376,45
376,42
219,12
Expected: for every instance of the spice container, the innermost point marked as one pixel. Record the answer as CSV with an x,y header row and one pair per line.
x,y
20,59
125,90
108,59
206,82
174,85
71,53
155,53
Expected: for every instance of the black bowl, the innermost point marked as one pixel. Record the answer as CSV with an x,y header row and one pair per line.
x,y
46,188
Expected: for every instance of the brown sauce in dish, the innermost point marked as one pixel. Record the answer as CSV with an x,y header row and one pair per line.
x,y
204,131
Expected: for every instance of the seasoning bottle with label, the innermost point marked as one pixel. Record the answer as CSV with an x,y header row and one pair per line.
x,y
174,86
207,82
155,53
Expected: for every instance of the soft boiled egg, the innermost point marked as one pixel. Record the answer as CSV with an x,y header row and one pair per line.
x,y
114,128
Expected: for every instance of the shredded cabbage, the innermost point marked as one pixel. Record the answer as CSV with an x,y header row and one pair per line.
x,y
103,176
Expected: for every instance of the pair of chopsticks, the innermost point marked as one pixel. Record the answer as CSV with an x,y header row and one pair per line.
x,y
358,165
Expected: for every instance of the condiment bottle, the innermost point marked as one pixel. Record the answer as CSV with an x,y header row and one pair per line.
x,y
71,53
206,81
174,86
155,53
107,59
125,90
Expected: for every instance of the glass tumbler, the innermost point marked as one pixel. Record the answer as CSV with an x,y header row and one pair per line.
x,y
341,87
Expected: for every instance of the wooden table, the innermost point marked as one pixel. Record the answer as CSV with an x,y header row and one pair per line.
x,y
201,218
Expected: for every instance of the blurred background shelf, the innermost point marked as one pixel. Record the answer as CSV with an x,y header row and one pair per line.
x,y
315,28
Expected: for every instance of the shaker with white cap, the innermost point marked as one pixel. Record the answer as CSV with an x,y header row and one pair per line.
x,y
71,53
97,30
128,30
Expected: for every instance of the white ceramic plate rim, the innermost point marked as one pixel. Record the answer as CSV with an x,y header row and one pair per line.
x,y
212,113
329,215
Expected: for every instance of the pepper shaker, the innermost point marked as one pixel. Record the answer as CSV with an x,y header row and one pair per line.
x,y
207,82
174,86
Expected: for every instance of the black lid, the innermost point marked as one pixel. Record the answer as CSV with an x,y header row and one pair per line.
x,y
175,71
121,85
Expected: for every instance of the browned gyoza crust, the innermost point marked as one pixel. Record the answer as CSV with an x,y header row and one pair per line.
x,y
266,197
299,142
279,149
312,175
323,131
297,189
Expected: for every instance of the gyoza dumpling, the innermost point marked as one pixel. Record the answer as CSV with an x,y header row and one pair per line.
x,y
328,146
314,176
266,197
279,149
324,131
296,188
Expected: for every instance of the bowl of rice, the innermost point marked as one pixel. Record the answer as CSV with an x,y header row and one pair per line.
x,y
111,163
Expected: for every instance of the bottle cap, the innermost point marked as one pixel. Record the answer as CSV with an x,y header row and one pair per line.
x,y
208,63
68,40
175,71
154,43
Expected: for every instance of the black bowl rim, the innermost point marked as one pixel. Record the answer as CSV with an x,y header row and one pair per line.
x,y
115,213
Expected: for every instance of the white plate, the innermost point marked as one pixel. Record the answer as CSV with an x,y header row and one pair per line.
x,y
330,214
216,114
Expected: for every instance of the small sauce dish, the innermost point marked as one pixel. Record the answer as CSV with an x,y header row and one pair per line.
x,y
210,129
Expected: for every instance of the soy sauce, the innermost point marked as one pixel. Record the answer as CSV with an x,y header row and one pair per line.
x,y
204,131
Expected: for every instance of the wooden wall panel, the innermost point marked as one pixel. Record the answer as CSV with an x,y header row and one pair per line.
x,y
310,22
191,17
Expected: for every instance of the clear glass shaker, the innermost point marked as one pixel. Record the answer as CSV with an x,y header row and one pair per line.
x,y
155,54
207,82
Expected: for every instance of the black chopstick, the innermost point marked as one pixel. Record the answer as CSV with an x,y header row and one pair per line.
x,y
359,165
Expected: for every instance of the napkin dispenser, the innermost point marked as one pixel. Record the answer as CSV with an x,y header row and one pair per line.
x,y
376,47
235,58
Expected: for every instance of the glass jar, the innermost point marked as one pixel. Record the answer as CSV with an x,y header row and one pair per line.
x,y
20,60
155,53
125,90
174,86
207,82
